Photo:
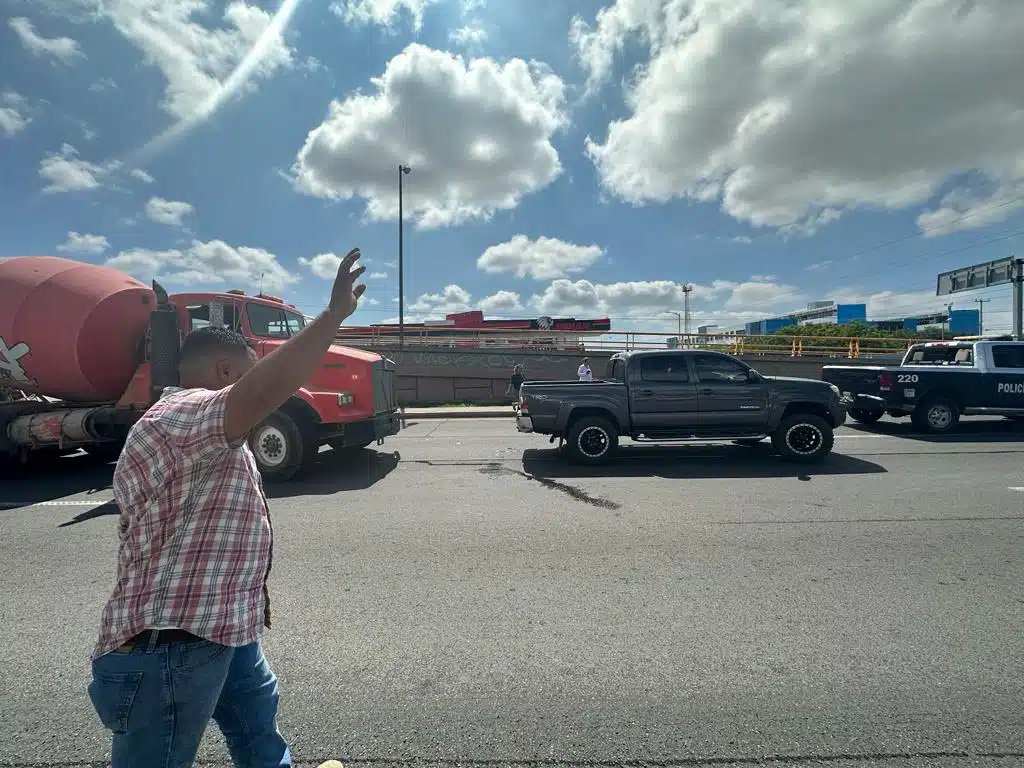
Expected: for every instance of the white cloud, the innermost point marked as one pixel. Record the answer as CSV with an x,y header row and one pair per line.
x,y
209,264
142,176
377,276
468,35
12,121
67,172
788,112
455,298
502,302
452,299
63,48
384,13
968,209
323,265
84,245
196,59
543,259
476,134
721,301
169,212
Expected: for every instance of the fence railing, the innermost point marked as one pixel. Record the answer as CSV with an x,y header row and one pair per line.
x,y
623,341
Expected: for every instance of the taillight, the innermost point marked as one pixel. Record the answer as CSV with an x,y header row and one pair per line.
x,y
522,404
885,381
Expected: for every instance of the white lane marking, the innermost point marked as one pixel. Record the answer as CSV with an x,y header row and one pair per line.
x,y
1016,488
83,503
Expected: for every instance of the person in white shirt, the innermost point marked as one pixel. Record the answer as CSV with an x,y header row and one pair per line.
x,y
584,371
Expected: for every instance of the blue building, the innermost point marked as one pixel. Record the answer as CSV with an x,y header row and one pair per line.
x,y
957,322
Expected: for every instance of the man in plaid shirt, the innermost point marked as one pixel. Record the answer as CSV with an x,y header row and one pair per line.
x,y
179,638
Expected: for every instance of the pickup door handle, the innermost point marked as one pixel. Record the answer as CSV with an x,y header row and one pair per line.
x,y
706,391
645,392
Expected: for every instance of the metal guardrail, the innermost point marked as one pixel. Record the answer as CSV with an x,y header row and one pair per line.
x,y
623,341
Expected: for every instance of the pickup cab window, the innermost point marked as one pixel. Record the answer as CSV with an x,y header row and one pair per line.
x,y
664,368
943,355
715,369
1007,356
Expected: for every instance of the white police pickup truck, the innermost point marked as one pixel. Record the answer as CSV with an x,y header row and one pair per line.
x,y
936,384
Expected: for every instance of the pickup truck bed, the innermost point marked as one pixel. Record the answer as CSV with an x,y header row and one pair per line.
x,y
677,396
936,384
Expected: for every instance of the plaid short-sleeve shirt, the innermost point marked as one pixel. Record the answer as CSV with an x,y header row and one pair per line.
x,y
195,533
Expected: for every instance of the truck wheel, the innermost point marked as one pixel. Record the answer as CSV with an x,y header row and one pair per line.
x,y
865,417
592,440
936,415
280,448
803,438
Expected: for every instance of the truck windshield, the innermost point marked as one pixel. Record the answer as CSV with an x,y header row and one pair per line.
x,y
945,355
273,322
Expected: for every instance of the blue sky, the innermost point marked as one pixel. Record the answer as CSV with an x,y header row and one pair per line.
x,y
569,157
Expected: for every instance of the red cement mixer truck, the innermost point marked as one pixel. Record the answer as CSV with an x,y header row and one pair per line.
x,y
85,350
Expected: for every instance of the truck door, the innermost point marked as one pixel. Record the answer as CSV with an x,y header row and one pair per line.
x,y
662,393
728,398
1005,385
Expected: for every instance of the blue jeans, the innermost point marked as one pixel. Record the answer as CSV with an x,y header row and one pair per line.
x,y
158,699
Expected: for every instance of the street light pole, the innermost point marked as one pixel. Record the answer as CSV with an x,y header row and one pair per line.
x,y
402,171
679,324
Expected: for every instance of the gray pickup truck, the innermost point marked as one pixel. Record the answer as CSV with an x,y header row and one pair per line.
x,y
682,395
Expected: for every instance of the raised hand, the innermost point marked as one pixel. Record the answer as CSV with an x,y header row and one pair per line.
x,y
345,294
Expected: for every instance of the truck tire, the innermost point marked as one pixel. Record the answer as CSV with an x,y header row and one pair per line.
x,y
592,440
280,448
803,438
863,416
936,415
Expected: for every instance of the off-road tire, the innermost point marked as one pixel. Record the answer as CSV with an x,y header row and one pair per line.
x,y
592,440
803,438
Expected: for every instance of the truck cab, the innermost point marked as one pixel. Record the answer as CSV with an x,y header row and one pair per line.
x,y
348,403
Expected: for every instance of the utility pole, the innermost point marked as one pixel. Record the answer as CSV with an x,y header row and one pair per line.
x,y
402,171
981,315
679,324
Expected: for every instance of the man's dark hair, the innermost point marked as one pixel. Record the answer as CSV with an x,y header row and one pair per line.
x,y
208,342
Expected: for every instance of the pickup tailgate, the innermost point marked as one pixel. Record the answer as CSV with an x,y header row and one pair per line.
x,y
545,406
860,386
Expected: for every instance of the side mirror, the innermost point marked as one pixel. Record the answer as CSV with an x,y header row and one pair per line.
x,y
753,375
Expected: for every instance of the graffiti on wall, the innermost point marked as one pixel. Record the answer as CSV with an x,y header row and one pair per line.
x,y
487,360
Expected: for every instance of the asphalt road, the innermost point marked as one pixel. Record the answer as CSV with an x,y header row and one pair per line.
x,y
462,597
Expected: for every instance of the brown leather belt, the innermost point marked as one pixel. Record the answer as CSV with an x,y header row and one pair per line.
x,y
163,637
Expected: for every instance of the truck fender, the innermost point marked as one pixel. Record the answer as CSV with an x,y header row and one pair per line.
x,y
566,411
301,407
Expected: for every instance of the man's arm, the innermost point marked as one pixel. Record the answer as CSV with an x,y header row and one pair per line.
x,y
272,380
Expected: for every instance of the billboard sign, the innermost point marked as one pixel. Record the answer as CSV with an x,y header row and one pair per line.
x,y
990,273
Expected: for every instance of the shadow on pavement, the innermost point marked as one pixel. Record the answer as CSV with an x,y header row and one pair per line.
x,y
103,510
55,479
336,471
694,462
981,431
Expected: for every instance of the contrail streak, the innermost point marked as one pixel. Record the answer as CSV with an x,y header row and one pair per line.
x,y
224,91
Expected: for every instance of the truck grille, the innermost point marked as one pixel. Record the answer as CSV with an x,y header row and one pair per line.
x,y
384,386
